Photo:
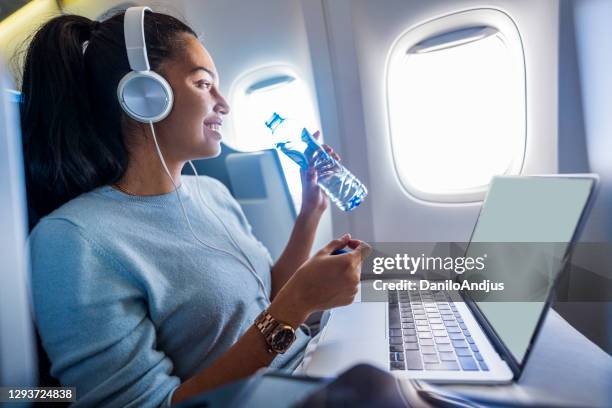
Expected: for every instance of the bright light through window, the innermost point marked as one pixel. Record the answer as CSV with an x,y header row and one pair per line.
x,y
254,99
457,117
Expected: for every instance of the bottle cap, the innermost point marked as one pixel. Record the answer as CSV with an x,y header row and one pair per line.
x,y
274,121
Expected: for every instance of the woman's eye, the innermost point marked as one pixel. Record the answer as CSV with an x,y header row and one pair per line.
x,y
203,84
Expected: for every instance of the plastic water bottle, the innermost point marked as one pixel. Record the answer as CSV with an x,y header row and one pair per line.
x,y
294,140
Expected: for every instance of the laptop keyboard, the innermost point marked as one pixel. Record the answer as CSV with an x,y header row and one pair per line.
x,y
426,332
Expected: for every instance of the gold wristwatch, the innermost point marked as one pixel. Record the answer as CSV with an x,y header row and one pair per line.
x,y
278,335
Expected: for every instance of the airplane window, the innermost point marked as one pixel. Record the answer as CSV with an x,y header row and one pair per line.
x,y
254,98
456,105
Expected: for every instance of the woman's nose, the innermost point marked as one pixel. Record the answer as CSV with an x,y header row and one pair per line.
x,y
222,105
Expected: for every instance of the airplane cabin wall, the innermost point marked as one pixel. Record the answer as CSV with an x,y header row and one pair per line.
x,y
372,27
585,145
593,32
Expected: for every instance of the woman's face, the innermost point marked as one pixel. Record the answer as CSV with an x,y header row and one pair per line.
x,y
192,129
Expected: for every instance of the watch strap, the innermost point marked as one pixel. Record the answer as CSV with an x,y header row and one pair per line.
x,y
267,325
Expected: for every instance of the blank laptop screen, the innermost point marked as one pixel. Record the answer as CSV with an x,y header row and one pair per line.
x,y
543,213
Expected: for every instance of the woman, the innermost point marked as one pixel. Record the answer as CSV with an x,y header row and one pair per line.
x,y
131,309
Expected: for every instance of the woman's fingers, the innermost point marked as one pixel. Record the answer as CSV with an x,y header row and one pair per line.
x,y
312,175
354,243
331,152
317,135
335,244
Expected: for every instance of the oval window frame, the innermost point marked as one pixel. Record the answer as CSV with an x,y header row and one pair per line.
x,y
441,26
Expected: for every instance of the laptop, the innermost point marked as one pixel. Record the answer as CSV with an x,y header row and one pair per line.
x,y
460,336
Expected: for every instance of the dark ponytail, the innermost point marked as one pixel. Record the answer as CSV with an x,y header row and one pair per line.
x,y
73,126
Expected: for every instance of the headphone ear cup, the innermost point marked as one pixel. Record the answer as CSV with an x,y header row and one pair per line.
x,y
145,96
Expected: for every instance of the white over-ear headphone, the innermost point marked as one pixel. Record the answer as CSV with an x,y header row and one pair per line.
x,y
143,94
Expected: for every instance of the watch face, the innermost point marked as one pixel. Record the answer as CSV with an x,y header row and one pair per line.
x,y
282,339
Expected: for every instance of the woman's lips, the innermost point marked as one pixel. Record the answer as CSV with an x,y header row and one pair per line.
x,y
212,130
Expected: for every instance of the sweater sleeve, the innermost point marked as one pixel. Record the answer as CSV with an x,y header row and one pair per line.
x,y
93,321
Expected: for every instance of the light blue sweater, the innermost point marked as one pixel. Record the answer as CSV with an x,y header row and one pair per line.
x,y
128,304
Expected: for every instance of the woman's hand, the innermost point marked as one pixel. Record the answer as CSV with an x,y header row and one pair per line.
x,y
322,282
314,200
297,251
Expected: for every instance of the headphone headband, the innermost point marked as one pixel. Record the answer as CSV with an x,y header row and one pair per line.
x,y
133,28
